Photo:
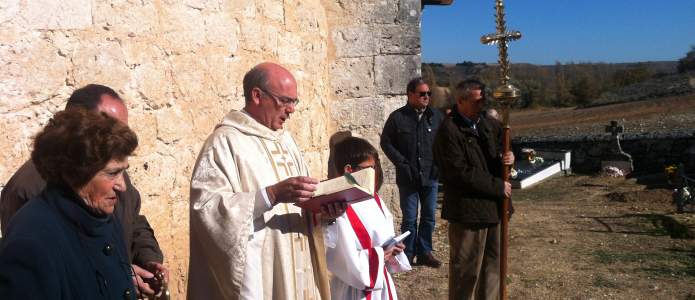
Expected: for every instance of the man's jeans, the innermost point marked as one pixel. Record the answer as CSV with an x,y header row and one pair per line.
x,y
419,242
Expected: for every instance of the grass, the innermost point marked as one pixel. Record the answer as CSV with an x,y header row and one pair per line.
x,y
555,189
601,282
674,263
530,282
670,226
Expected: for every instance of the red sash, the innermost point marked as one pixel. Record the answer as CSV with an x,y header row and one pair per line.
x,y
366,243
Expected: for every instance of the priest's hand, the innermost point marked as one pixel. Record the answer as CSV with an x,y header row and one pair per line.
x,y
331,211
508,158
291,190
394,250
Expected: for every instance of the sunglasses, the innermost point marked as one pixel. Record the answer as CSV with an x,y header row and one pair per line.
x,y
423,94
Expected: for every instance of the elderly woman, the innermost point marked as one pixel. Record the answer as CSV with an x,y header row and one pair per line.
x,y
66,244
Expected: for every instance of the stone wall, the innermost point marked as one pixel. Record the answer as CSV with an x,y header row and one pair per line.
x,y
377,54
179,65
650,152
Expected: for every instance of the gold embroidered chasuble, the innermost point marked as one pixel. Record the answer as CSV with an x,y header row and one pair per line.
x,y
240,248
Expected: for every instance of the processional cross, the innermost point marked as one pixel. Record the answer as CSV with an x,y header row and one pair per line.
x,y
506,93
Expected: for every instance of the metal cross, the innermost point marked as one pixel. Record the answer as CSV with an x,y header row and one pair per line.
x,y
505,92
614,129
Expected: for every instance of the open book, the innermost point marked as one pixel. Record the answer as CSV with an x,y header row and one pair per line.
x,y
351,188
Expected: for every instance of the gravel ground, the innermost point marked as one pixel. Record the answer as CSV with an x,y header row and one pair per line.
x,y
584,237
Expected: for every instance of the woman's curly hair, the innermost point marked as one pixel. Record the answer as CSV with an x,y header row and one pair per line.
x,y
77,143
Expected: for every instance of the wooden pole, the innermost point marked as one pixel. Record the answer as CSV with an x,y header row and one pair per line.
x,y
504,218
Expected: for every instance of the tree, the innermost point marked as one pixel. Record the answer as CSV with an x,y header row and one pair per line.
x,y
687,63
562,95
584,90
428,75
630,76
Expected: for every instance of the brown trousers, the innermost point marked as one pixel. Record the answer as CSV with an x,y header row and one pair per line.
x,y
474,263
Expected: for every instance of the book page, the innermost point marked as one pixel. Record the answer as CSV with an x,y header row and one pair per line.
x,y
363,179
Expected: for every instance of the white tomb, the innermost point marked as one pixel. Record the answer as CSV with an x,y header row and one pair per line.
x,y
529,173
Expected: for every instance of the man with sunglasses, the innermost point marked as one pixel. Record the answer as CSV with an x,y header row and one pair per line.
x,y
407,141
248,240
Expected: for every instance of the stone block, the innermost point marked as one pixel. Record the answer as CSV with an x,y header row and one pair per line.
x,y
144,124
288,44
189,75
273,10
57,15
354,41
25,81
183,28
393,103
171,133
353,77
361,112
100,61
399,39
306,17
409,12
379,12
251,30
394,71
9,9
148,80
389,194
222,31
127,18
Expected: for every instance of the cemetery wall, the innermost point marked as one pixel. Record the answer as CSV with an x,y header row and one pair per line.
x,y
650,152
179,65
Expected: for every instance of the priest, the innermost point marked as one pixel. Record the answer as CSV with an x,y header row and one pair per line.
x,y
248,240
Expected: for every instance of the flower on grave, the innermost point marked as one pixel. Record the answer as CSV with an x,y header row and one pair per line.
x,y
531,156
671,172
681,197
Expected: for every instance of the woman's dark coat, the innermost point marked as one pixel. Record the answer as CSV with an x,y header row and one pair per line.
x,y
56,249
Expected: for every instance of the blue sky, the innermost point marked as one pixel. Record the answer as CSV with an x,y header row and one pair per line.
x,y
562,30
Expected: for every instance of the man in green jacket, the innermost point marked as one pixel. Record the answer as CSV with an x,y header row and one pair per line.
x,y
467,150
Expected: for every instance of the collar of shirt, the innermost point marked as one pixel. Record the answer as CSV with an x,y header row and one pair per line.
x,y
470,123
419,112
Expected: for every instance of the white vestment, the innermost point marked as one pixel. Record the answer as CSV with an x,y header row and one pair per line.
x,y
356,270
241,248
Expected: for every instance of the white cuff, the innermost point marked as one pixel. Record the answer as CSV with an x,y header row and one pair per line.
x,y
262,203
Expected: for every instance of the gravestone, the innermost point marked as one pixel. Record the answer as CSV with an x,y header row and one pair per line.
x,y
536,166
615,157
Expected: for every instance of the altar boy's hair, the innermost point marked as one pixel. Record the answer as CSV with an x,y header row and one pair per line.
x,y
353,151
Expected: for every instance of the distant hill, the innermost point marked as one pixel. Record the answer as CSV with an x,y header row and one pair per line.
x,y
563,85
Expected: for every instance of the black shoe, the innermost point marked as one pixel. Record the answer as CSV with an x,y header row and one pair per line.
x,y
429,260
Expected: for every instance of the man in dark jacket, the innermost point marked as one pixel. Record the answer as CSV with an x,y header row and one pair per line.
x,y
407,141
143,250
467,149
